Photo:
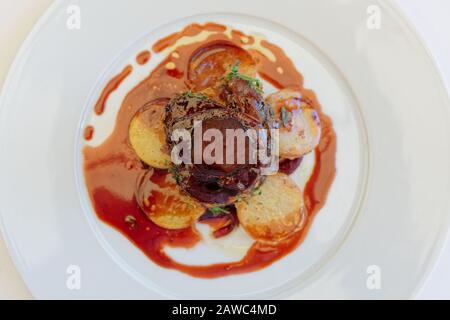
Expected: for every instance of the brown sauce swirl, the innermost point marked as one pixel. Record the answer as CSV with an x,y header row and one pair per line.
x,y
112,85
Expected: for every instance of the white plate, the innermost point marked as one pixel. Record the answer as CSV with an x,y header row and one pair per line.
x,y
388,206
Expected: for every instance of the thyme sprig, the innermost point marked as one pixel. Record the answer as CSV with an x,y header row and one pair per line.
x,y
285,116
218,210
175,172
197,95
253,82
256,191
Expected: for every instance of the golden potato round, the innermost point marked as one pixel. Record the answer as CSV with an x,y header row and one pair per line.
x,y
274,211
147,136
163,202
299,123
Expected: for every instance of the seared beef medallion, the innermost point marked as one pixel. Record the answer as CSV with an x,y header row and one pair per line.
x,y
235,104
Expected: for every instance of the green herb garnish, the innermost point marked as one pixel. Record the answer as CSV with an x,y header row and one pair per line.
x,y
218,210
256,191
189,205
285,116
191,94
253,82
175,173
240,198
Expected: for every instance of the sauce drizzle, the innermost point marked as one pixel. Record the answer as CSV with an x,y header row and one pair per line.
x,y
112,85
88,133
143,57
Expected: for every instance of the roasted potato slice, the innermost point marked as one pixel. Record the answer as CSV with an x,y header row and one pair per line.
x,y
210,63
299,123
147,135
162,201
274,211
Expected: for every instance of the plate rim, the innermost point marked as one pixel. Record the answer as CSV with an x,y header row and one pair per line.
x,y
34,31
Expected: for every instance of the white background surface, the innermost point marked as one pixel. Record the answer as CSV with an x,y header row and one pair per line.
x,y
430,17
